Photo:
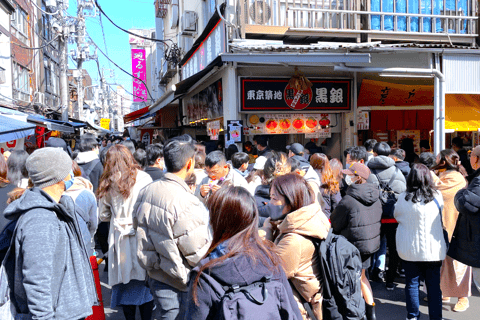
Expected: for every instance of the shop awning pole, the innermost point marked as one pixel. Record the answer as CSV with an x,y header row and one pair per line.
x,y
355,110
439,93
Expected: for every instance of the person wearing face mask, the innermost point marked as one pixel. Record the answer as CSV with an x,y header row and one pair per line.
x,y
49,272
171,228
357,218
295,218
117,193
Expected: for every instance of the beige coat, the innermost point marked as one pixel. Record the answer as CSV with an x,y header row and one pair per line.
x,y
301,262
122,244
449,183
172,231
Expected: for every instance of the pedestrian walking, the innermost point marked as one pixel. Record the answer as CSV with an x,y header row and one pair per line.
x,y
172,229
238,257
296,220
387,176
465,247
48,267
357,218
455,277
420,240
118,191
329,186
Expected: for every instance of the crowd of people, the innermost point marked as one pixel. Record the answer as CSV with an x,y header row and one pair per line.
x,y
233,235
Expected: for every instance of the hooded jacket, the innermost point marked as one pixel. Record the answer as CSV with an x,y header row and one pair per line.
x,y
292,236
237,270
465,245
357,217
81,193
90,163
404,167
49,272
384,168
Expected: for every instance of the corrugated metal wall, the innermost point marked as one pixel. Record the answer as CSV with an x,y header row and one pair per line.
x,y
462,73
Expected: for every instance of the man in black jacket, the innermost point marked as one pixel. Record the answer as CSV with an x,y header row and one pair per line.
x,y
88,159
457,146
155,160
398,155
465,244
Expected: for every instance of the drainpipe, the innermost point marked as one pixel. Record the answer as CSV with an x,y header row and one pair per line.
x,y
439,93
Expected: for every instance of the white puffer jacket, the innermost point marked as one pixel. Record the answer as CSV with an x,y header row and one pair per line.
x,y
420,231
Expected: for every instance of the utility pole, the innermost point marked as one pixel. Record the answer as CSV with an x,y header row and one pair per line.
x,y
62,47
81,56
104,94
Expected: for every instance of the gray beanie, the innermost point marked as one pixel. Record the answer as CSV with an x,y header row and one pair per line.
x,y
48,166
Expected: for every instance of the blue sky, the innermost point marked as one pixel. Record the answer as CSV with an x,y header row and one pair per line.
x,y
127,14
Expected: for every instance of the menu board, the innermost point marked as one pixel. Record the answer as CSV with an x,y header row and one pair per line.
x,y
289,124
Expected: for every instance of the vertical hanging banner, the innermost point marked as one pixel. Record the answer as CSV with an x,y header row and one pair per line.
x,y
139,70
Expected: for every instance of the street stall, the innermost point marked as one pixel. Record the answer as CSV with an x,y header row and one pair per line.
x,y
13,133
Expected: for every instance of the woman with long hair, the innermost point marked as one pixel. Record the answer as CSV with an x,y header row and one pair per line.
x,y
17,171
420,240
294,220
455,277
330,186
117,193
237,256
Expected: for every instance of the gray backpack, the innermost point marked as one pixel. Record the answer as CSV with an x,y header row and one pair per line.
x,y
264,299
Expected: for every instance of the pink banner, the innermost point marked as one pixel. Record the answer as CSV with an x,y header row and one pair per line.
x,y
139,69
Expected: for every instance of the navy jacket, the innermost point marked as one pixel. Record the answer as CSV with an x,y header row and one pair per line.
x,y
465,244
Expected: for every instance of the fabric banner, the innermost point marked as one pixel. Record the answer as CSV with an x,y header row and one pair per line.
x,y
139,69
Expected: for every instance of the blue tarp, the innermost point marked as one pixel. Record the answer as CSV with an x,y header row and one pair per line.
x,y
426,8
50,124
12,129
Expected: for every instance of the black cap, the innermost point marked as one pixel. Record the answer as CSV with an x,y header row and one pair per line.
x,y
57,143
296,148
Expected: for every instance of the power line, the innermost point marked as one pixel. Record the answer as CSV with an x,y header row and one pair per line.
x,y
116,65
38,48
124,30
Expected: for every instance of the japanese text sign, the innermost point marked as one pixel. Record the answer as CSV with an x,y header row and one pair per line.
x,y
379,93
210,48
139,69
265,94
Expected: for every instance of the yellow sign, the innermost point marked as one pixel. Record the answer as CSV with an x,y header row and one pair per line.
x,y
105,123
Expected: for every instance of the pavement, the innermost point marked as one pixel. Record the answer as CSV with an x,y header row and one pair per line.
x,y
390,305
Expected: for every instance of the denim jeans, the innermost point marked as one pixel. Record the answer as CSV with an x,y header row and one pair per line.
x,y
167,299
476,277
380,255
430,271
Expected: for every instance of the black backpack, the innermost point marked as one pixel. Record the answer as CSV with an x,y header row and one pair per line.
x,y
264,299
6,238
341,269
388,198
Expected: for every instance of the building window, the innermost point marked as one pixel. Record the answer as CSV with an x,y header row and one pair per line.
x,y
21,83
47,33
19,24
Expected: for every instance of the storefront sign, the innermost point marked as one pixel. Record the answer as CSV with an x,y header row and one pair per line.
x,y
207,104
105,123
266,94
409,134
12,145
234,130
289,124
210,48
378,93
363,120
213,129
139,69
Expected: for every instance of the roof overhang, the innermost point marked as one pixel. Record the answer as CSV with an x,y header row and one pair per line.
x,y
296,58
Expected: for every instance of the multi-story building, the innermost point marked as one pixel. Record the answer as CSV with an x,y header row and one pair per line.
x,y
329,72
6,11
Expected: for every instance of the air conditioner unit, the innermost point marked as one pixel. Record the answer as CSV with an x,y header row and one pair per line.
x,y
40,98
189,21
259,12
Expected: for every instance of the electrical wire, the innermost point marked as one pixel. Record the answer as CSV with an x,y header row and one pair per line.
x,y
105,43
134,34
116,65
49,13
38,48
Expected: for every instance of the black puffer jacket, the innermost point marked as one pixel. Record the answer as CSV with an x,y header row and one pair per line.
x,y
465,244
262,197
357,217
404,167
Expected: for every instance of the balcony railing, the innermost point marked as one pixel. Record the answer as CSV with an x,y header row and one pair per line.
x,y
381,19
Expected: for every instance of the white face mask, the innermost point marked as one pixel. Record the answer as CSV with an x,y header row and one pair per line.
x,y
349,180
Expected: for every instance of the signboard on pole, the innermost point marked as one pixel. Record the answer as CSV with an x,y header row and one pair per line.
x,y
139,69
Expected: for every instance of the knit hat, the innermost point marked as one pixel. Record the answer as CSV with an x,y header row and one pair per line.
x,y
48,166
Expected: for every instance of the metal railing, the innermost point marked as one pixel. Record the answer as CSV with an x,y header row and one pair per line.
x,y
459,17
